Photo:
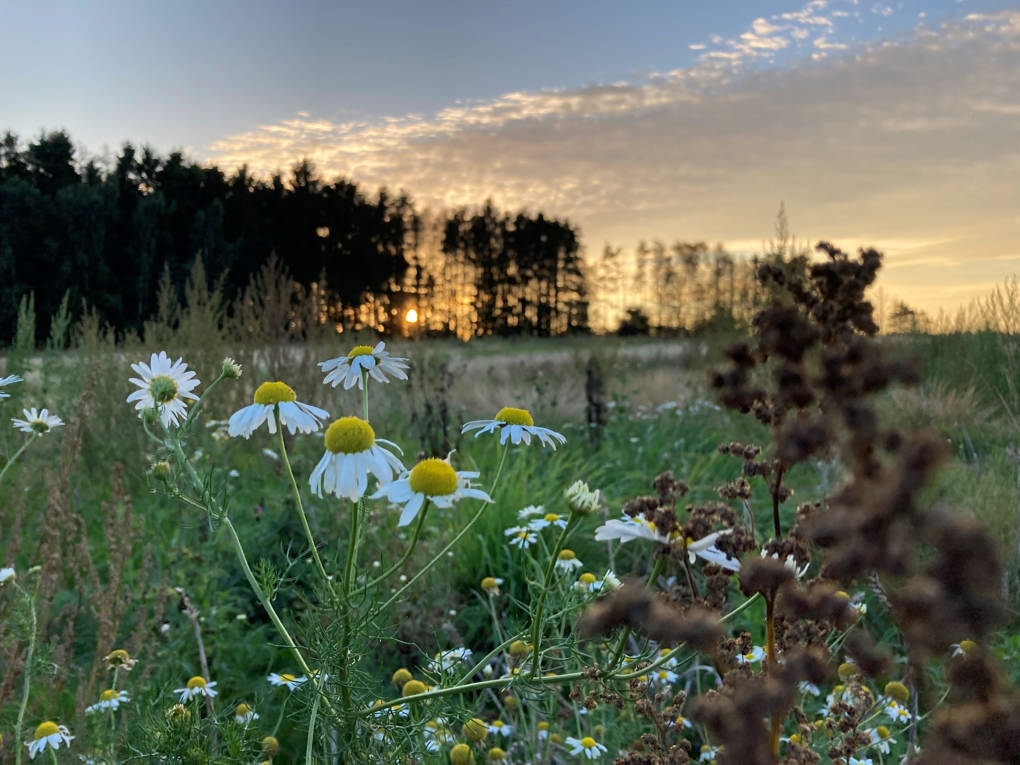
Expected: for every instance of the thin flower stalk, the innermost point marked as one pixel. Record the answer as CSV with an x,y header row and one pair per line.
x,y
536,627
27,688
327,582
411,544
14,457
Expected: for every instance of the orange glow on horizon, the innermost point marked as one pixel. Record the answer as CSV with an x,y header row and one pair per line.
x,y
411,317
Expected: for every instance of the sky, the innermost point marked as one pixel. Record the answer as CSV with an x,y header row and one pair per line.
x,y
893,125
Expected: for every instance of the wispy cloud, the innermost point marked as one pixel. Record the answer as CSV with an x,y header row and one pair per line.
x,y
912,139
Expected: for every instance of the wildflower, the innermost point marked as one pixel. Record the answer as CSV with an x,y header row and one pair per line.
x,y
790,563
543,730
855,761
6,573
897,712
590,583
270,746
400,677
5,381
413,688
37,422
665,676
352,452
498,727
881,738
433,479
757,653
197,686
109,699
436,735
548,519
517,425
521,536
447,661
962,648
581,499
461,754
490,584
627,528
269,397
496,754
244,714
119,659
705,548
163,386
48,734
708,753
230,369
178,714
363,359
475,729
587,746
680,722
292,683
567,561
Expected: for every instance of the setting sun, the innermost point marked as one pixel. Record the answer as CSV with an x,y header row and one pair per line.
x,y
411,316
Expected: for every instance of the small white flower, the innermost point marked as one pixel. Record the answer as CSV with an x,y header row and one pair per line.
x,y
896,711
433,479
37,422
48,734
269,397
109,699
447,661
663,676
375,362
880,738
5,381
626,529
517,425
163,385
352,452
757,653
501,728
581,499
549,519
6,573
197,686
244,714
521,536
567,561
587,746
790,563
705,548
708,753
292,683
865,761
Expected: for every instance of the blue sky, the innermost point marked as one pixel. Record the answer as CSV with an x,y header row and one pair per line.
x,y
891,124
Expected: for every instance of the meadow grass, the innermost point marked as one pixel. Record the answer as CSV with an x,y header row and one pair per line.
x,y
116,560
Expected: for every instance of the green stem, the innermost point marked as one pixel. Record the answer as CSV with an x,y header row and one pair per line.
x,y
310,744
536,627
28,675
412,542
660,563
17,454
327,583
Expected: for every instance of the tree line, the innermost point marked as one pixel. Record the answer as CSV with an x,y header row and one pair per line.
x,y
111,235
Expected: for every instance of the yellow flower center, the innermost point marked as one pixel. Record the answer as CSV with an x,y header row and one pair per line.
x,y
512,416
241,710
551,517
286,678
565,554
587,578
898,691
360,350
196,682
496,754
475,729
270,393
433,478
400,677
270,746
109,695
349,435
543,725
46,729
882,731
39,426
413,688
163,389
588,742
461,755
519,648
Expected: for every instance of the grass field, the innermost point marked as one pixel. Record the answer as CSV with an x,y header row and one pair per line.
x,y
109,552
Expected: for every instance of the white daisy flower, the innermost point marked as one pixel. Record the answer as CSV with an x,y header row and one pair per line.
x,y
292,683
581,499
517,425
680,722
897,712
433,479
590,583
790,563
37,422
708,753
625,529
109,699
587,746
6,573
270,395
663,676
757,653
498,727
521,536
244,714
881,738
855,761
197,686
705,548
567,561
447,661
437,734
4,381
163,385
376,362
549,519
352,452
48,734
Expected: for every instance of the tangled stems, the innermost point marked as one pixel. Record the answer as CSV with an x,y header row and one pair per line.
x,y
536,626
28,672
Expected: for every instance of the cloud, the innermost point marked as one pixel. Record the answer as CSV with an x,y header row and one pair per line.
x,y
905,140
